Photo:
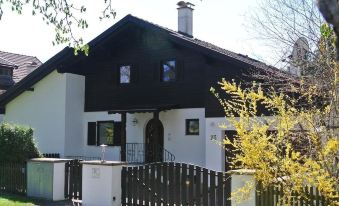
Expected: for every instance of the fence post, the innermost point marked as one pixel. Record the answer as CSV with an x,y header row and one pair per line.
x,y
101,183
241,178
46,178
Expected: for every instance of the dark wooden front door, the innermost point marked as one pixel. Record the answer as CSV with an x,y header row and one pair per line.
x,y
154,141
229,153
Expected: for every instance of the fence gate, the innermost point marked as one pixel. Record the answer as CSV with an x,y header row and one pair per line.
x,y
174,184
73,179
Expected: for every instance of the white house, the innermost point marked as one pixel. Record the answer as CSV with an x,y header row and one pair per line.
x,y
143,90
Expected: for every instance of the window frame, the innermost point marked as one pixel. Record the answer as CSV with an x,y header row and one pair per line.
x,y
175,70
98,132
187,125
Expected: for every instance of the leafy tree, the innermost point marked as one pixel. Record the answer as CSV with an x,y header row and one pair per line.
x,y
63,15
16,143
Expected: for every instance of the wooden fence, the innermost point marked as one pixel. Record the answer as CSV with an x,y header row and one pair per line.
x,y
174,184
13,177
273,196
73,180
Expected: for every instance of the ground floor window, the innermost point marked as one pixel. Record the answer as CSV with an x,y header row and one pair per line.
x,y
104,132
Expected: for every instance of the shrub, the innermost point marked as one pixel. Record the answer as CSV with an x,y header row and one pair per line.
x,y
16,143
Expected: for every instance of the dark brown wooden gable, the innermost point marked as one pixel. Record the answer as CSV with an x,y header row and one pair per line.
x,y
217,70
144,51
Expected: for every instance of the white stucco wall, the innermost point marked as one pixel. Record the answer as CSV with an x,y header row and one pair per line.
x,y
54,110
186,148
74,110
44,110
215,154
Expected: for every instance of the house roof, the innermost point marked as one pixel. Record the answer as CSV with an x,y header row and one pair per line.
x,y
22,64
67,53
6,63
210,47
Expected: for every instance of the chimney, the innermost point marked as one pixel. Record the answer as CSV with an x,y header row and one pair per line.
x,y
185,18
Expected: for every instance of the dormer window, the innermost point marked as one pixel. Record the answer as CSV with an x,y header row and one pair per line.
x,y
168,71
125,74
6,79
6,71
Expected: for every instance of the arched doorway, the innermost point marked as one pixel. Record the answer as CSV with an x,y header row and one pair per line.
x,y
154,141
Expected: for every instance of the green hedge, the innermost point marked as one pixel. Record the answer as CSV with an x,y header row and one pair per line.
x,y
16,143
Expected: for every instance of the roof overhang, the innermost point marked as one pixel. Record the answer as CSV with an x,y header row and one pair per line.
x,y
144,109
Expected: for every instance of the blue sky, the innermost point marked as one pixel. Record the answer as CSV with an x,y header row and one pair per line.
x,y
222,22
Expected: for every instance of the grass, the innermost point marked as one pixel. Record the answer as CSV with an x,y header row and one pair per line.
x,y
14,200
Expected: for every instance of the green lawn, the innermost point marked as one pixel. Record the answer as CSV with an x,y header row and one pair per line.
x,y
14,200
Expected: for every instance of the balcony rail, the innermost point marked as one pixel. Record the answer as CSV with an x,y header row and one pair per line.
x,y
136,154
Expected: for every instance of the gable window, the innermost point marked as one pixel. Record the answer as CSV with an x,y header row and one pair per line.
x,y
125,74
168,71
104,132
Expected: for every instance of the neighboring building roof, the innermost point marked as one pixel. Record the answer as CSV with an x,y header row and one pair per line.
x,y
4,62
67,54
23,64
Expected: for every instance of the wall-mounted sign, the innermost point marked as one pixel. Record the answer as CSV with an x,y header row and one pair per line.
x,y
213,137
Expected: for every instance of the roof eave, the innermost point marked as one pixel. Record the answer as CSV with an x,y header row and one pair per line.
x,y
33,77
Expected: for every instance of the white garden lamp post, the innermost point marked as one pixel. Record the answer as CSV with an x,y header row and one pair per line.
x,y
103,149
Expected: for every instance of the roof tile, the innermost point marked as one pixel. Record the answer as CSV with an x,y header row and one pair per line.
x,y
23,64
